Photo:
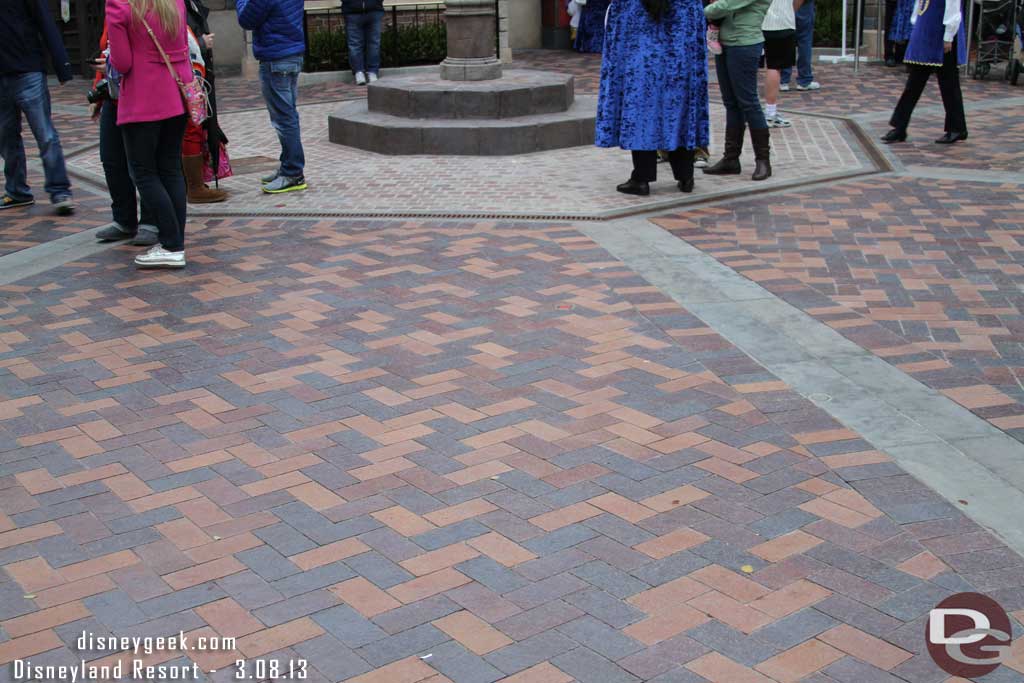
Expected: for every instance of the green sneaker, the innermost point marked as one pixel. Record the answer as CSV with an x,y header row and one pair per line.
x,y
282,184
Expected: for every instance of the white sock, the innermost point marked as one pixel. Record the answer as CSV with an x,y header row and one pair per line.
x,y
771,109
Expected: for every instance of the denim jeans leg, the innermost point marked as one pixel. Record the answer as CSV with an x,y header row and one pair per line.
x,y
805,43
743,67
280,84
354,33
733,115
371,34
12,148
33,98
115,169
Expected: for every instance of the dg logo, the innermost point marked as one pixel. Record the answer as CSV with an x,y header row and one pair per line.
x,y
968,635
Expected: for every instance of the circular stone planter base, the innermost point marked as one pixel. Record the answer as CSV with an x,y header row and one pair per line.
x,y
353,124
520,92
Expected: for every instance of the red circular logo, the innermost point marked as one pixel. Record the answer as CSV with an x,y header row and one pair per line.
x,y
968,635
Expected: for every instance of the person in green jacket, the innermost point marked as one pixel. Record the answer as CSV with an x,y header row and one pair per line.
x,y
742,44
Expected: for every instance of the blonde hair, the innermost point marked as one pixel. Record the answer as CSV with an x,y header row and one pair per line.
x,y
166,10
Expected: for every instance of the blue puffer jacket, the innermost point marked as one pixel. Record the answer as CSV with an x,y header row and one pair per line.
x,y
276,26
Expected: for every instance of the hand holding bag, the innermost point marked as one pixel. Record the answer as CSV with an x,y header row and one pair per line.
x,y
193,94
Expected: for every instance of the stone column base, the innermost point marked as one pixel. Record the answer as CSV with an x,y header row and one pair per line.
x,y
476,69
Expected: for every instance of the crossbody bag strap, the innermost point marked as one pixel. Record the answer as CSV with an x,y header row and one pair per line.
x,y
167,60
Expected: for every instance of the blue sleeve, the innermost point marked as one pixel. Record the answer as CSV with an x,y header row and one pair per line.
x,y
252,13
51,36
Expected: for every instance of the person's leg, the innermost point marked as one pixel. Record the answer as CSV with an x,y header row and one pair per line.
x,y
805,44
645,166
681,161
733,115
115,170
772,80
952,97
729,164
33,98
12,148
168,164
279,81
372,27
141,146
356,48
917,78
742,72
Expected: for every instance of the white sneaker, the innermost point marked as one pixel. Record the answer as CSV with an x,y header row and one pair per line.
x,y
373,77
784,87
158,257
360,78
777,121
813,85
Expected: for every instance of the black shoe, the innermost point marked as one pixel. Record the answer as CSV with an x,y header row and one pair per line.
x,y
950,138
637,187
890,61
9,202
685,185
894,136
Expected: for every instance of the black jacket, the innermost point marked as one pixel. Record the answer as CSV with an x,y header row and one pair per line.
x,y
24,27
360,6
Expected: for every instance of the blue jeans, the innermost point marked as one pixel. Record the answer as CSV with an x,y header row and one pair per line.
x,y
279,81
363,31
27,94
804,45
737,69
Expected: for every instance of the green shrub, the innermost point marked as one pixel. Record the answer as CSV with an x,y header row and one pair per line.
x,y
409,45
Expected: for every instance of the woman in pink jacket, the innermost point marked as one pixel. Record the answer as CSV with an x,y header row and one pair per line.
x,y
151,113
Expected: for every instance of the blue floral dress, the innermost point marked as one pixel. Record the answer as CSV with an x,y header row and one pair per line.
x,y
654,79
590,34
899,30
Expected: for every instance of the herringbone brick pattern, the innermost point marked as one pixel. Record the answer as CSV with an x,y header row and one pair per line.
x,y
924,273
445,452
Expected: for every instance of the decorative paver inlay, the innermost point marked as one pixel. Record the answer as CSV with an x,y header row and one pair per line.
x,y
572,182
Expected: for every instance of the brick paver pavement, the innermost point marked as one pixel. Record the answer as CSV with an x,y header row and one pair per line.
x,y
925,273
473,452
449,452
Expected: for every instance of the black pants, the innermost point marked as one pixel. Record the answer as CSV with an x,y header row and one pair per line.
x,y
645,165
949,88
115,168
153,150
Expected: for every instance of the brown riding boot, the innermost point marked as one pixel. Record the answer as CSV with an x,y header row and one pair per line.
x,y
198,192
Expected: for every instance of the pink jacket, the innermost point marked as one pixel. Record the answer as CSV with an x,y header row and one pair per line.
x,y
148,92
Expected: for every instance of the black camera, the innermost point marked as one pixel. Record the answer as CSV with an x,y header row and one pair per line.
x,y
100,92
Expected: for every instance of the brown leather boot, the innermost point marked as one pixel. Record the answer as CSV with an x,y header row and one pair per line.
x,y
761,139
198,192
730,161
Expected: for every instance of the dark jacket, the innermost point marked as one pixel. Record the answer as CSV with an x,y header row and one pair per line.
x,y
24,27
276,25
361,6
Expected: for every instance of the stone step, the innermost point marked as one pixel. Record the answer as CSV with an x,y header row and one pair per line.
x,y
520,92
354,125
